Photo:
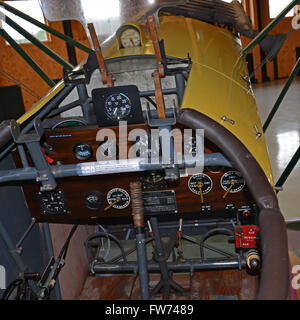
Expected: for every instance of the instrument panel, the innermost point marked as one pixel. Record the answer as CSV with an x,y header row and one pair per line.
x,y
217,192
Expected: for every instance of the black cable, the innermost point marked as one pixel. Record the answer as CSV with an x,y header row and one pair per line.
x,y
64,250
10,289
106,235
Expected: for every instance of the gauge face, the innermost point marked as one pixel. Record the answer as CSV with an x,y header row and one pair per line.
x,y
130,37
52,202
198,181
119,197
94,200
83,151
232,180
154,180
117,106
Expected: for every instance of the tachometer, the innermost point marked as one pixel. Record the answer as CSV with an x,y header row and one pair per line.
x,y
232,182
117,106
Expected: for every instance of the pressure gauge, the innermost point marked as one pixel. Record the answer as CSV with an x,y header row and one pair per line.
x,y
83,151
117,198
200,183
130,37
94,200
117,106
52,202
232,181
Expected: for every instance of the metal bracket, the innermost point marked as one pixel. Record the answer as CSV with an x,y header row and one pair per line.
x,y
32,142
152,122
20,138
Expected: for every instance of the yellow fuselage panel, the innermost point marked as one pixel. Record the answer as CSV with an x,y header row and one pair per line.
x,y
215,86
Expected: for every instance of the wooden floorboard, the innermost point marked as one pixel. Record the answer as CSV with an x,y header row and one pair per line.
x,y
208,285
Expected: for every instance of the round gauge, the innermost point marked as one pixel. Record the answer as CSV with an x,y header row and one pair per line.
x,y
232,180
83,151
118,198
130,37
52,202
117,106
198,181
154,180
94,200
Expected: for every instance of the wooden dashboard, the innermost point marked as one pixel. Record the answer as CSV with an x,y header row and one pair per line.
x,y
165,199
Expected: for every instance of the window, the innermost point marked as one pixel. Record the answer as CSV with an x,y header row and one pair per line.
x,y
276,6
31,8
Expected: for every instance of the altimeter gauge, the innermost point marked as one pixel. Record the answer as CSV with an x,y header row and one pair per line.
x,y
130,37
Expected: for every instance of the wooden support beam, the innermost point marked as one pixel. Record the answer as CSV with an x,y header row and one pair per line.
x,y
105,77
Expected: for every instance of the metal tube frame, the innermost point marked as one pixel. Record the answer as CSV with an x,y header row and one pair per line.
x,y
45,27
288,170
283,93
26,57
268,28
38,43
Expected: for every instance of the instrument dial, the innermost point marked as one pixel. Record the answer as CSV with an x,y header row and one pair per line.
x,y
52,202
117,106
154,180
130,37
118,198
83,151
94,200
232,181
200,183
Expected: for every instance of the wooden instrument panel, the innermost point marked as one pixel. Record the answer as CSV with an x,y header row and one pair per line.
x,y
62,143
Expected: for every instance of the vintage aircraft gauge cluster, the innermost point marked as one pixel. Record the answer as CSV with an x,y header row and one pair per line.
x,y
201,184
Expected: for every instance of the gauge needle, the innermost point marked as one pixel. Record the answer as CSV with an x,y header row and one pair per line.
x,y
232,183
200,185
118,199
